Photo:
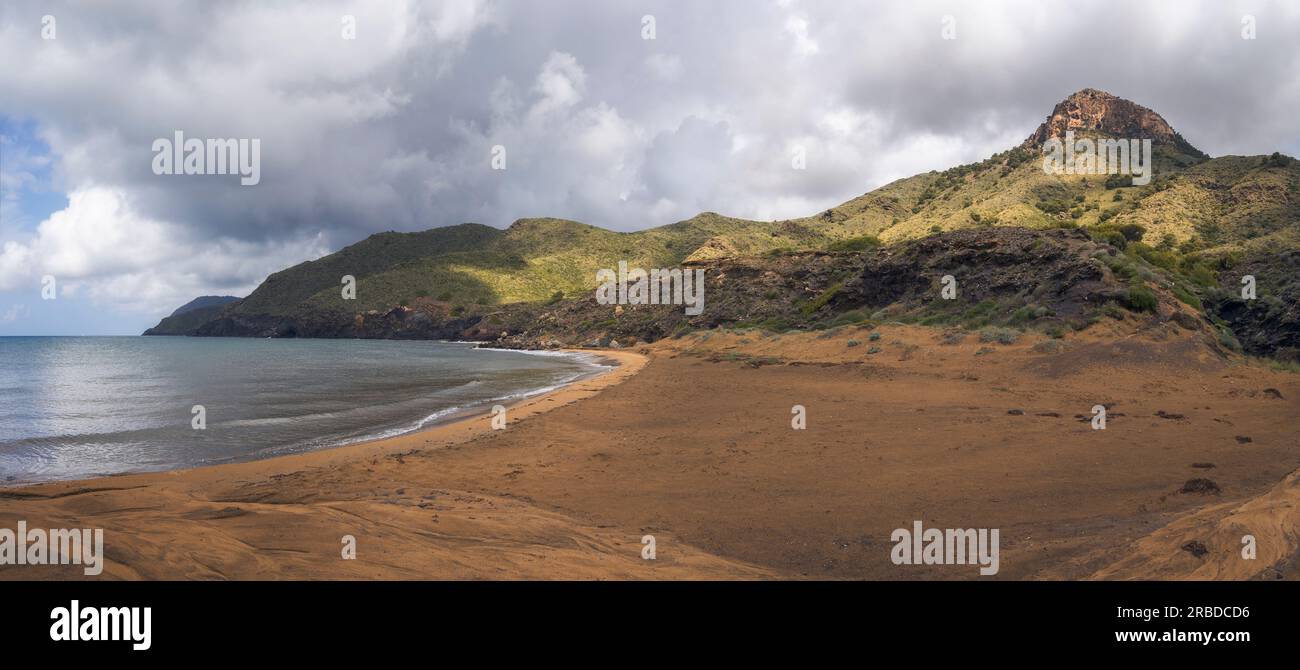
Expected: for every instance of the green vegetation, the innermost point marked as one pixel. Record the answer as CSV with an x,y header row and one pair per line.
x,y
1187,297
820,301
1140,299
1277,160
1203,212
999,335
1052,206
861,243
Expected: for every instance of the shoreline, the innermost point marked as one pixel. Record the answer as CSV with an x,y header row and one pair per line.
x,y
452,429
182,507
475,410
613,361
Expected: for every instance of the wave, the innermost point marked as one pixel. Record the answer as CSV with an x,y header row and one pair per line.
x,y
449,413
291,400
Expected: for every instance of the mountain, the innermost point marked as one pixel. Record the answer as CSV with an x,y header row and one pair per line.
x,y
192,314
1094,111
1182,234
204,301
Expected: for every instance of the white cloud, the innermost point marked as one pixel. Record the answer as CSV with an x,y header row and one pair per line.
x,y
797,27
100,247
560,85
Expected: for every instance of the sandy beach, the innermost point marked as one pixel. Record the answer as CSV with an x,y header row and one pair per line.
x,y
690,440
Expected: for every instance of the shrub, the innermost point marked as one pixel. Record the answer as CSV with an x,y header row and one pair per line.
x,y
1112,237
1162,259
1021,315
874,337
854,343
555,297
1052,206
1140,299
1113,311
855,244
823,298
1227,338
1201,275
1211,231
1132,232
999,335
850,317
1277,160
953,336
1187,297
1049,347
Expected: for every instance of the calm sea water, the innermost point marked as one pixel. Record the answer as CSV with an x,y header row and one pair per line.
x,y
74,407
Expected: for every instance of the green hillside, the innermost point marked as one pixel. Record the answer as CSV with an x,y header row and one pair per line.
x,y
531,260
1213,205
1196,210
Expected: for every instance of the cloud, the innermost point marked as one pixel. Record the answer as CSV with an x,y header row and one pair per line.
x,y
797,27
664,67
394,130
560,85
100,247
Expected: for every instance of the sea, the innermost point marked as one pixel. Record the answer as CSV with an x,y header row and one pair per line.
x,y
76,407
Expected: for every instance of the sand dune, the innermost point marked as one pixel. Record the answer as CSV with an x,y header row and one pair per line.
x,y
1210,543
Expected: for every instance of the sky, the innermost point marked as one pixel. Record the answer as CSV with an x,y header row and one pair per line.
x,y
625,114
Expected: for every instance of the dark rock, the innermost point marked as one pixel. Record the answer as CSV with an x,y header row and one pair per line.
x,y
1269,325
1201,486
1196,548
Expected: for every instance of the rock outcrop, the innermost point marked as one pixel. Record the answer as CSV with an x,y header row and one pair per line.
x,y
1091,110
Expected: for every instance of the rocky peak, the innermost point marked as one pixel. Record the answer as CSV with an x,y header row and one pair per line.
x,y
1099,111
